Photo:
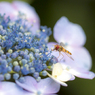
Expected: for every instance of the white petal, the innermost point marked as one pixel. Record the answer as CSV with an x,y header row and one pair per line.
x,y
65,76
57,69
61,72
48,86
70,33
73,78
58,81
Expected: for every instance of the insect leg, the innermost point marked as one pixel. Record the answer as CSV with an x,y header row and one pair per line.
x,y
59,54
62,55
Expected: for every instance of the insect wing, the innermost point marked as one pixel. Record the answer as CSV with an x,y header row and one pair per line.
x,y
68,55
62,44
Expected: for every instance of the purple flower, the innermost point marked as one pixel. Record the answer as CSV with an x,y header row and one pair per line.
x,y
45,87
73,37
19,6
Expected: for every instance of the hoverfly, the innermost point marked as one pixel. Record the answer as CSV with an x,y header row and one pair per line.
x,y
60,48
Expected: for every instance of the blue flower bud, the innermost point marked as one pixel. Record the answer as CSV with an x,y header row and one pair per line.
x,y
15,76
7,76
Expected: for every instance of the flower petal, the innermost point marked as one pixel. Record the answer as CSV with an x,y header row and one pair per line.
x,y
28,93
30,84
82,73
48,86
72,78
58,81
81,56
9,10
10,88
51,45
79,72
65,76
61,73
30,13
69,33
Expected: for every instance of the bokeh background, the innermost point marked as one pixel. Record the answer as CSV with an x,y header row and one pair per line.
x,y
77,11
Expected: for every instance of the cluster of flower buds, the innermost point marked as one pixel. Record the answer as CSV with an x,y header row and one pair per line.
x,y
21,52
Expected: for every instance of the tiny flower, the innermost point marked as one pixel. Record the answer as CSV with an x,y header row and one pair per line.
x,y
73,38
60,74
45,87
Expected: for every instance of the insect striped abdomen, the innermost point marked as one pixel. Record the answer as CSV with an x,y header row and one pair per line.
x,y
64,50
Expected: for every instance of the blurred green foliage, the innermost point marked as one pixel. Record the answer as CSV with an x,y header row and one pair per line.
x,y
77,11
28,1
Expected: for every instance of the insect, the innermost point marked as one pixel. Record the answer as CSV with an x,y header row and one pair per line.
x,y
60,48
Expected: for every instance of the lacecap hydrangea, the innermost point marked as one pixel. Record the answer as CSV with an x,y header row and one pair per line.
x,y
22,52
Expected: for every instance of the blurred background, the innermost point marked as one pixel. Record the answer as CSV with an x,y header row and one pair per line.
x,y
81,12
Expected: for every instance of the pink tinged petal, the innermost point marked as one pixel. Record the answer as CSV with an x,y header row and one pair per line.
x,y
26,8
48,86
10,88
56,80
81,56
70,33
30,84
30,13
82,73
6,8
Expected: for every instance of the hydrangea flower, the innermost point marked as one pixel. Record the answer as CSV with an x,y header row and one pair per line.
x,y
73,37
45,87
25,57
20,6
